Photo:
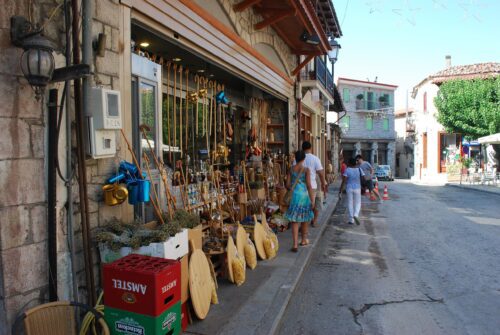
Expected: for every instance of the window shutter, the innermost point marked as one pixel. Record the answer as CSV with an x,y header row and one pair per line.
x,y
346,95
369,123
386,124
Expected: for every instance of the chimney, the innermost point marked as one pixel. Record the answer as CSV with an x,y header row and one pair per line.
x,y
448,61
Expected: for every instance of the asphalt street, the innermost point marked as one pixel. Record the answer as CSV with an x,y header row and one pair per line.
x,y
425,262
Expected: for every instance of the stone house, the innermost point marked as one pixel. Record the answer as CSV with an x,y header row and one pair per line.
x,y
434,148
47,250
368,126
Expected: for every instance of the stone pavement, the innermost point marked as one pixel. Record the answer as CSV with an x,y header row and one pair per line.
x,y
489,188
257,306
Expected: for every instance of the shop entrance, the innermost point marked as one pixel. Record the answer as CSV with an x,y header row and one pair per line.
x,y
145,124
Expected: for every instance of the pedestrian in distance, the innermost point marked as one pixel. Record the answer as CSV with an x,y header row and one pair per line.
x,y
313,163
368,179
352,181
300,209
343,167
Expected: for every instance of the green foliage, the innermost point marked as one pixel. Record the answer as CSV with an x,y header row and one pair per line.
x,y
470,107
467,162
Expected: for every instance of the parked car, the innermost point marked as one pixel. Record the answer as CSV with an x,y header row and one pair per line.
x,y
383,172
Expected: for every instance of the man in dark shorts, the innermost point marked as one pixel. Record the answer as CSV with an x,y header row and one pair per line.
x,y
368,171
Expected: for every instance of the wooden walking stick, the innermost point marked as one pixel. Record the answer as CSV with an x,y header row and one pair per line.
x,y
180,111
197,82
157,211
159,166
169,121
175,105
187,111
182,182
206,85
153,189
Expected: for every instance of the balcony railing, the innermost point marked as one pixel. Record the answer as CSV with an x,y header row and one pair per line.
x,y
371,105
319,73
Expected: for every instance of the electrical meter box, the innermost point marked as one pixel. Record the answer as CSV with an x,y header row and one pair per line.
x,y
106,117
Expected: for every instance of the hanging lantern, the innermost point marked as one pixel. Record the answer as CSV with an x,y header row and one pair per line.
x,y
37,62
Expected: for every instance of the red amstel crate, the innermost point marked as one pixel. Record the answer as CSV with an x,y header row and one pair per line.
x,y
142,284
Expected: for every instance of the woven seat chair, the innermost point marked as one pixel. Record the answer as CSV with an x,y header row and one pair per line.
x,y
56,318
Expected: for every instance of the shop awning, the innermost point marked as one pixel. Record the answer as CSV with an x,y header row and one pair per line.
x,y
291,18
491,139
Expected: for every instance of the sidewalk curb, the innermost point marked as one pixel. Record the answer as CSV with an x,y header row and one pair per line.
x,y
283,297
472,188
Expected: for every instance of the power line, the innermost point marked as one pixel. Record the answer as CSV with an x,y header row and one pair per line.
x,y
345,12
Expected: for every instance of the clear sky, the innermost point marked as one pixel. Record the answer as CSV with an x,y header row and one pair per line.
x,y
403,41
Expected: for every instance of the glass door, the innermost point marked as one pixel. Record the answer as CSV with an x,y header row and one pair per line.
x,y
144,125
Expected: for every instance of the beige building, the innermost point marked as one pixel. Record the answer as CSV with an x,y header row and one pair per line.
x,y
434,148
250,50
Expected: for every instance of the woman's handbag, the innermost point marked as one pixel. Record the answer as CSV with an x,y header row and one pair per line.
x,y
288,196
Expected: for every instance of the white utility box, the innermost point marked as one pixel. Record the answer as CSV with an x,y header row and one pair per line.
x,y
106,117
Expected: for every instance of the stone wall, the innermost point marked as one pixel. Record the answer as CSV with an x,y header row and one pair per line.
x,y
23,207
23,234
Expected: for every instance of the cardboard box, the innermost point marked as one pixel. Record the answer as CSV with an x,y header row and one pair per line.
x,y
195,235
142,284
184,279
123,322
173,248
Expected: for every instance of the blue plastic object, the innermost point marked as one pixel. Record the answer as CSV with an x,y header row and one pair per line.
x,y
221,98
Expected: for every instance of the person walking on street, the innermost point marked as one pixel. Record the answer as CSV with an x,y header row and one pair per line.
x,y
313,163
352,180
368,171
301,204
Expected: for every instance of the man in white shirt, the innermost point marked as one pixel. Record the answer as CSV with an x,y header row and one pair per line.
x,y
313,163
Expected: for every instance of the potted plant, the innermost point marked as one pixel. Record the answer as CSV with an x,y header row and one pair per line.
x,y
383,100
466,164
359,101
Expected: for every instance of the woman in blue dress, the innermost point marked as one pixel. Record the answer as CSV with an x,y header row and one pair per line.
x,y
301,205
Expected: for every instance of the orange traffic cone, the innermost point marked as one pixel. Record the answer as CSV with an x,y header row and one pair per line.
x,y
376,186
373,197
386,194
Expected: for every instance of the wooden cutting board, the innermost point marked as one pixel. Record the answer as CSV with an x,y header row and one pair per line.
x,y
231,255
259,235
200,283
241,240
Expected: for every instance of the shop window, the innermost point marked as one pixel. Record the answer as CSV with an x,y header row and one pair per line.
x,y
346,95
369,123
386,124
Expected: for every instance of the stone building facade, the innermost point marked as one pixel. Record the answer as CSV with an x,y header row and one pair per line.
x,y
24,269
368,126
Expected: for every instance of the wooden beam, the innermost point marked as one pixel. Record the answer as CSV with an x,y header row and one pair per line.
x,y
301,65
70,73
239,7
274,18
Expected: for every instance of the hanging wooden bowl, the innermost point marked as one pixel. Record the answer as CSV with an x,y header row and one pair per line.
x,y
200,283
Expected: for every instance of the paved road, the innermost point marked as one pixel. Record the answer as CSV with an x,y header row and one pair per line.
x,y
425,262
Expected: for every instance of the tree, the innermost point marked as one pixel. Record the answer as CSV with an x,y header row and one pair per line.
x,y
470,107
